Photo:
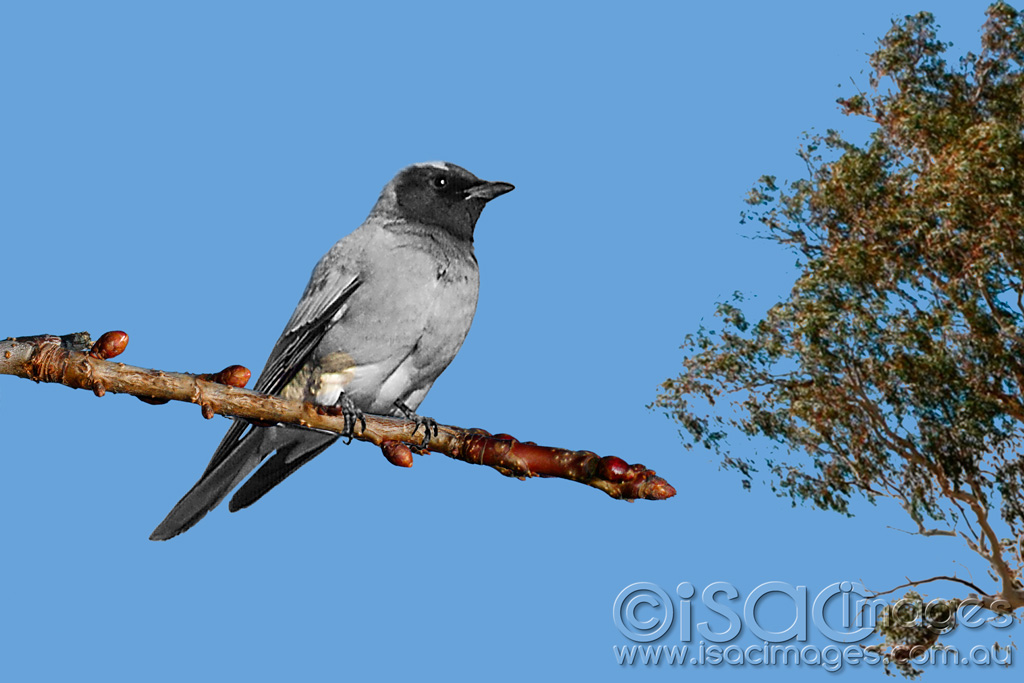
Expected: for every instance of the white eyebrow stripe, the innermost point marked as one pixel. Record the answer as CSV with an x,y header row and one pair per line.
x,y
443,165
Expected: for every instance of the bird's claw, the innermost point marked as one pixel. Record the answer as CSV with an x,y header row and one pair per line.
x,y
348,410
428,423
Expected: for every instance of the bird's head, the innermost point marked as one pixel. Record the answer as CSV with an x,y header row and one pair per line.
x,y
440,194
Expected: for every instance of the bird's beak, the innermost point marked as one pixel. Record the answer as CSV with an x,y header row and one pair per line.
x,y
489,190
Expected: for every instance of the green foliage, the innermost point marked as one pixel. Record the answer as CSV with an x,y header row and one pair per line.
x,y
916,626
896,364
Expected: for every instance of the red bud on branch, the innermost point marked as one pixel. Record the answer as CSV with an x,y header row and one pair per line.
x,y
397,453
232,376
109,345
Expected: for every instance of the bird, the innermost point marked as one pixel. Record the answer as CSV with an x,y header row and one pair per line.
x,y
384,313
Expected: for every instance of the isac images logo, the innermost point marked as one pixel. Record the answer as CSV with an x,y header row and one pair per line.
x,y
843,613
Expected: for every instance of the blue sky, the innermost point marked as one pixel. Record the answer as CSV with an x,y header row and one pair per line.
x,y
176,170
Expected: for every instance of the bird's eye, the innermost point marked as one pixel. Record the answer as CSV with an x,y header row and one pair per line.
x,y
441,182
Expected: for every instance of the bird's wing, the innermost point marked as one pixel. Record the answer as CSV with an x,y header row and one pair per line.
x,y
320,307
239,452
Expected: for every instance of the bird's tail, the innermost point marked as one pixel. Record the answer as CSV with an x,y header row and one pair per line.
x,y
276,469
238,454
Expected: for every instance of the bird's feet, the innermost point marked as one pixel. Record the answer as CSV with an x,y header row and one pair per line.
x,y
428,423
348,410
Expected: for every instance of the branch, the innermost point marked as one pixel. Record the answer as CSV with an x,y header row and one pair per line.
x,y
74,361
1011,590
923,531
910,584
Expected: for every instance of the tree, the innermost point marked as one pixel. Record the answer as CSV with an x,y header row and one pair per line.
x,y
896,364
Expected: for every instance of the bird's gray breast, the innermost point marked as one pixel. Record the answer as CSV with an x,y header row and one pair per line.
x,y
404,324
